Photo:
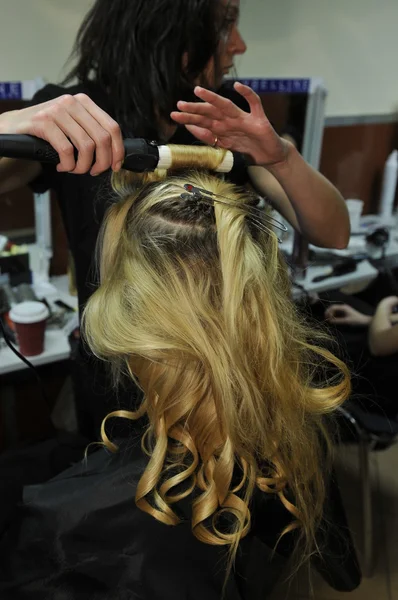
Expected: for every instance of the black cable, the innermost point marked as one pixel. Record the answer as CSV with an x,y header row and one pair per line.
x,y
29,364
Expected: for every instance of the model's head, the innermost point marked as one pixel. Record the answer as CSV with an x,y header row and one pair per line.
x,y
150,54
194,303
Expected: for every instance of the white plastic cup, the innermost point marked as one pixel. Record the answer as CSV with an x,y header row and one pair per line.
x,y
355,208
29,319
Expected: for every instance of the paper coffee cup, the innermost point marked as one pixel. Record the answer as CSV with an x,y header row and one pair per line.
x,y
29,319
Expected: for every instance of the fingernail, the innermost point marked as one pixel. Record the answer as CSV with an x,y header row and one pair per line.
x,y
118,166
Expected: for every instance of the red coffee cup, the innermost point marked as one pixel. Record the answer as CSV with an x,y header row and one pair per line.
x,y
29,319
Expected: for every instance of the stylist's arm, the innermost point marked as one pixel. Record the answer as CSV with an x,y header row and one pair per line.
x,y
63,122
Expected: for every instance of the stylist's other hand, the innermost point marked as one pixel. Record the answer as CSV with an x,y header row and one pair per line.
x,y
73,119
219,119
343,314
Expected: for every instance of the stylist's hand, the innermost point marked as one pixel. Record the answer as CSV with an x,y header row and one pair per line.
x,y
219,119
73,119
343,314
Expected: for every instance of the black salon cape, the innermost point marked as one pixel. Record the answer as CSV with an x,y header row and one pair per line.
x,y
80,536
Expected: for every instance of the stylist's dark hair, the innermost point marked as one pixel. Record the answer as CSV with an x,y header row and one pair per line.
x,y
134,50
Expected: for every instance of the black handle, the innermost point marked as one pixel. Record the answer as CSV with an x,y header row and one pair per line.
x,y
320,278
27,147
140,156
348,265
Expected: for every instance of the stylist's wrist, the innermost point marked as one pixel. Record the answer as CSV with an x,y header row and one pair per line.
x,y
11,122
3,125
281,162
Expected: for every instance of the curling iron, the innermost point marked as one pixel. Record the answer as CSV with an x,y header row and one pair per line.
x,y
140,155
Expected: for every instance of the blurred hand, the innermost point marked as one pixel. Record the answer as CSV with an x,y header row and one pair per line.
x,y
217,118
386,307
75,119
343,314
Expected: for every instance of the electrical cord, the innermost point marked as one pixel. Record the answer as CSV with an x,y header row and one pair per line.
x,y
29,364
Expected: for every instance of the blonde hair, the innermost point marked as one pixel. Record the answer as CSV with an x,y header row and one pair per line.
x,y
197,308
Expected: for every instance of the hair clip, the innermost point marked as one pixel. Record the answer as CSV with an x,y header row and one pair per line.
x,y
192,189
251,211
194,196
197,202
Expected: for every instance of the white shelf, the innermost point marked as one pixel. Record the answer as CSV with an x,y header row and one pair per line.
x,y
56,348
364,273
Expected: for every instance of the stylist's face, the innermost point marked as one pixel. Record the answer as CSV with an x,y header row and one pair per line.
x,y
231,45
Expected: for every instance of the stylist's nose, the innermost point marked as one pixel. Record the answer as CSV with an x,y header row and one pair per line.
x,y
237,43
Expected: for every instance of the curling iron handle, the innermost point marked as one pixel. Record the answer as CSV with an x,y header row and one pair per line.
x,y
27,147
139,155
